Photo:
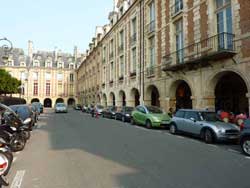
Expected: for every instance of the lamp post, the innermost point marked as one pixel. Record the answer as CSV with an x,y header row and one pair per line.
x,y
7,48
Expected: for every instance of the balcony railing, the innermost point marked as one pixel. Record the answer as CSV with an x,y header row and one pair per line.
x,y
121,78
132,73
103,85
133,39
121,48
151,27
150,71
177,7
111,55
214,48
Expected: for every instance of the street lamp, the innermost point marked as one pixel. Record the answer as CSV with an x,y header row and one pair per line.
x,y
7,48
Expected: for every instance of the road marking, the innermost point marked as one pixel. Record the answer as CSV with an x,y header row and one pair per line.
x,y
212,145
247,157
17,182
180,137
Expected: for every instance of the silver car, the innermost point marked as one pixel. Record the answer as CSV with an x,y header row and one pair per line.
x,y
61,107
204,124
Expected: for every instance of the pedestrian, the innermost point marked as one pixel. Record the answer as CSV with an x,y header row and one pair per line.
x,y
171,112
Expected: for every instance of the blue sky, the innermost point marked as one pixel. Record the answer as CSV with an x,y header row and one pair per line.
x,y
52,23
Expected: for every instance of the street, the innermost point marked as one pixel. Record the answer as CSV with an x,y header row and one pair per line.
x,y
75,150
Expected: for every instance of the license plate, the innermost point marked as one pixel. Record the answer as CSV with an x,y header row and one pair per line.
x,y
164,122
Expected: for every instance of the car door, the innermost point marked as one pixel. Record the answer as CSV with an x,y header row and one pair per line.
x,y
142,115
178,119
136,114
191,118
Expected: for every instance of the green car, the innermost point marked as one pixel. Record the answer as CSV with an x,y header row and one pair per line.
x,y
150,116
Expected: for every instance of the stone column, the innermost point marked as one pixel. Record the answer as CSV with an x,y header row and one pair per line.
x,y
209,102
248,96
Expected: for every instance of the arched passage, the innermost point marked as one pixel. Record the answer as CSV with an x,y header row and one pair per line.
x,y
59,100
35,100
112,98
181,93
71,102
98,99
135,96
47,103
122,98
152,94
230,93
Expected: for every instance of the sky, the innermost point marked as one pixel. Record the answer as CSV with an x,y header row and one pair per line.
x,y
53,23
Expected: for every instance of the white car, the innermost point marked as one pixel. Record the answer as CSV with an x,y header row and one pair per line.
x,y
61,107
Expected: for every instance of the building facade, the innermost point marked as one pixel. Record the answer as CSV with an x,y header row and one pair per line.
x,y
172,53
47,77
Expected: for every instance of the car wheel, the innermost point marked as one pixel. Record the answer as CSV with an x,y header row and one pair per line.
x,y
123,119
173,129
245,146
148,124
208,136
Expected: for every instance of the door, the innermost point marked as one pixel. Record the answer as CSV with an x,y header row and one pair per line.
x,y
191,118
141,115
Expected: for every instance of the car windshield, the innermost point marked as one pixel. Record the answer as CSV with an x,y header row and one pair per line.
x,y
154,110
129,109
23,112
60,105
209,116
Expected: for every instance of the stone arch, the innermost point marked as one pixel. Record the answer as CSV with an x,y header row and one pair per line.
x,y
122,98
135,97
47,103
71,102
180,94
153,95
35,100
59,100
229,90
112,98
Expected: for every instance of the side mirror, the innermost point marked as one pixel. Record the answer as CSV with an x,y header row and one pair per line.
x,y
27,121
192,119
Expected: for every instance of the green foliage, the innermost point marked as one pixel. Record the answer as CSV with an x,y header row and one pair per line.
x,y
8,84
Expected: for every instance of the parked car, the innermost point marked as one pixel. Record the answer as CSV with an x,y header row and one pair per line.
x,y
99,109
24,112
90,108
124,113
61,107
84,108
78,107
204,124
36,110
39,106
245,138
150,116
109,112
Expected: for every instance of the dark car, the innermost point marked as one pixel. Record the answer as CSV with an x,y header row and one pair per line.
x,y
24,112
245,138
109,112
78,107
124,113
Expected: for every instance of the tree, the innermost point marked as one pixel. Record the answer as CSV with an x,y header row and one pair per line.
x,y
8,84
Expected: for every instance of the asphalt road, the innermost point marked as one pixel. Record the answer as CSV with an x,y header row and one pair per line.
x,y
75,150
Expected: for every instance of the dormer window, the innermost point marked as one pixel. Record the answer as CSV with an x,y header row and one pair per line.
x,y
60,64
71,66
48,64
10,62
121,11
36,63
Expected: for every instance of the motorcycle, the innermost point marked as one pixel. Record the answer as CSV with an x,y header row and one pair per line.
x,y
4,167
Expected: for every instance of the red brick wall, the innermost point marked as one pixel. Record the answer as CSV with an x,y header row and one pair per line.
x,y
203,21
167,29
245,25
159,27
190,18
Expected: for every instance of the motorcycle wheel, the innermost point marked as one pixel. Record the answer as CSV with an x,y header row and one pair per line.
x,y
17,144
27,135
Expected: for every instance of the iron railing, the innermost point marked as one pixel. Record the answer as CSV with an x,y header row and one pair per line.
x,y
209,48
150,71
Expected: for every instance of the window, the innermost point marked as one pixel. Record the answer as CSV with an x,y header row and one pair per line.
x,y
48,64
47,89
224,24
23,75
35,89
179,41
71,77
60,64
180,114
194,115
121,11
60,89
121,66
59,76
151,11
133,66
35,75
36,63
134,26
47,76
121,40
152,51
71,89
71,66
104,54
111,70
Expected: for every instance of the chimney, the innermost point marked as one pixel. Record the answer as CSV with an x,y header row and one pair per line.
x,y
75,52
30,49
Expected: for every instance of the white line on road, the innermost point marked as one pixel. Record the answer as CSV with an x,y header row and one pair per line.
x,y
232,150
247,157
17,182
